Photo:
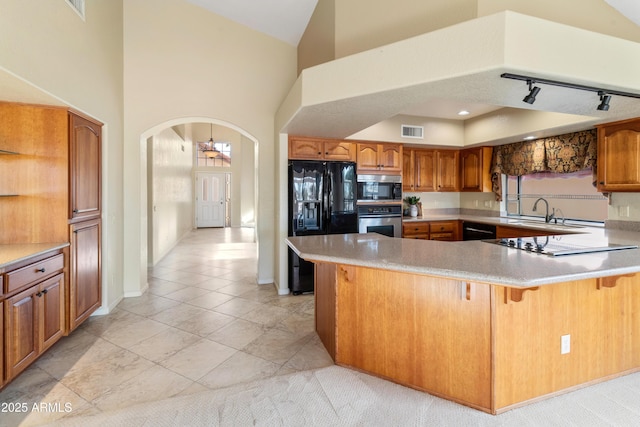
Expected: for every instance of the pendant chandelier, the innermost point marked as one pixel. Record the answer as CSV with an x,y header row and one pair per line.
x,y
208,149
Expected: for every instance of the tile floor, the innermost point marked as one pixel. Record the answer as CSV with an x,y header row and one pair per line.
x,y
203,324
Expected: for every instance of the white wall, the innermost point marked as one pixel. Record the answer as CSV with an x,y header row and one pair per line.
x,y
183,62
46,48
171,191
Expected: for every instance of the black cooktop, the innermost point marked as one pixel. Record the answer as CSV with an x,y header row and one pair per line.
x,y
550,245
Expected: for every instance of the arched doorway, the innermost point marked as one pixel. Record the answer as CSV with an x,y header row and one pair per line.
x,y
189,130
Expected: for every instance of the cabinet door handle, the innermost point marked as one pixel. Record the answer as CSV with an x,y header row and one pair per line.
x,y
41,270
44,291
75,211
39,294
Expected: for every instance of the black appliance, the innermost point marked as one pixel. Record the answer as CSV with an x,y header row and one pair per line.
x,y
478,231
380,188
322,200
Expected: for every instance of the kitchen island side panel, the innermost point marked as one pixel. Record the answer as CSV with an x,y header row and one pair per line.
x,y
601,318
429,333
325,305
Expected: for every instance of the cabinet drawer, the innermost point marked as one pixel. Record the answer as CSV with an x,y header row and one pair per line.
x,y
33,272
441,236
413,228
442,227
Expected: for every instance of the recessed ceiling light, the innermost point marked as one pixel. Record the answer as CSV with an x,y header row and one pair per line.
x,y
529,138
463,113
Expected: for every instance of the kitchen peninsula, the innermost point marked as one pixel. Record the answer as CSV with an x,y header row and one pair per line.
x,y
477,323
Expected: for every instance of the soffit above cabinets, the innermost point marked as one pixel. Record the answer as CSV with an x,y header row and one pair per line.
x,y
461,65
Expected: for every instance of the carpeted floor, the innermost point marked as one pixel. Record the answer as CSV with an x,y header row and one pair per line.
x,y
336,396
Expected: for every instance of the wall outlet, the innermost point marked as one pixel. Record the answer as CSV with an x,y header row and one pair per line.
x,y
623,211
488,203
565,344
476,203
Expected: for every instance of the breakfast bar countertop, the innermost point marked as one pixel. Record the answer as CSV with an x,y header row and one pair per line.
x,y
474,260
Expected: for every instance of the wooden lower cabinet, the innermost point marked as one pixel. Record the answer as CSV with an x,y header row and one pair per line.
x,y
2,375
415,230
487,346
34,321
432,230
85,287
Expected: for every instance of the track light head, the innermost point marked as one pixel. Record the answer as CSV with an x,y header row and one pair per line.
x,y
533,92
604,101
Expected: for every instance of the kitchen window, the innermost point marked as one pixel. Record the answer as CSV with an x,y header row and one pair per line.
x,y
572,195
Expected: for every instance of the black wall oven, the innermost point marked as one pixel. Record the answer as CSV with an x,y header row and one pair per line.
x,y
379,188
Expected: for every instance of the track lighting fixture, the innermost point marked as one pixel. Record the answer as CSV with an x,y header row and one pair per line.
x,y
533,92
604,101
605,94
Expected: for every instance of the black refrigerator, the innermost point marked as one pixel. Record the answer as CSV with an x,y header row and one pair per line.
x,y
322,200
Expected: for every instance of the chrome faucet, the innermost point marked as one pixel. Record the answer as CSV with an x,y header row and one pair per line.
x,y
547,217
561,216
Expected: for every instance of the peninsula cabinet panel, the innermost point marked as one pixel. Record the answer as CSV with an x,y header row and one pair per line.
x,y
85,287
84,167
420,331
604,331
325,305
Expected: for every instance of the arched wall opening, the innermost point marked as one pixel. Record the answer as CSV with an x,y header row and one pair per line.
x,y
146,143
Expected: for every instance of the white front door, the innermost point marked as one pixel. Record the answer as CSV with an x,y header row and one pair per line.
x,y
210,199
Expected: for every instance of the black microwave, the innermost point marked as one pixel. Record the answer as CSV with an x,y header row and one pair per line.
x,y
379,188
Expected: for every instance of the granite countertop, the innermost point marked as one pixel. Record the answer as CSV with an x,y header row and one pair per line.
x,y
474,260
10,254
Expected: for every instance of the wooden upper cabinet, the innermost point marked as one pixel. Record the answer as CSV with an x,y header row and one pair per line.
x,y
85,139
408,183
424,167
619,156
340,150
447,171
302,148
475,165
379,158
430,170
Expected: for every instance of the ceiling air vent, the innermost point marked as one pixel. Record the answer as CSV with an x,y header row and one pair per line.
x,y
412,131
77,6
